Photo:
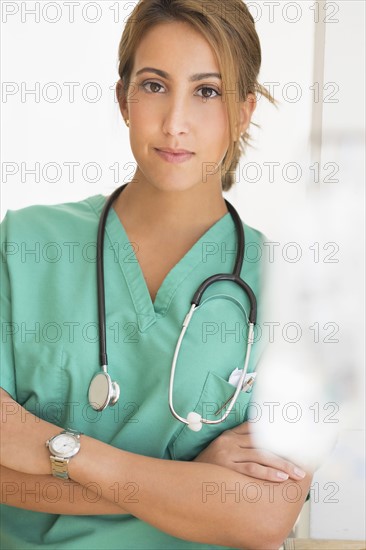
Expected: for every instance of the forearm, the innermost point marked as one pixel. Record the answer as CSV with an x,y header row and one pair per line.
x,y
178,497
45,493
20,431
167,494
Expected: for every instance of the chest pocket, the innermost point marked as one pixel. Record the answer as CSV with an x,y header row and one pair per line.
x,y
187,444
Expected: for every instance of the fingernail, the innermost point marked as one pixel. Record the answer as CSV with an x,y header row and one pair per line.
x,y
299,473
282,475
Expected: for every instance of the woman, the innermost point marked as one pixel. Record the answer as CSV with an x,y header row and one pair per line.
x,y
139,478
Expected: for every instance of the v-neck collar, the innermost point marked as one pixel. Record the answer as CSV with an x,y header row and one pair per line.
x,y
147,311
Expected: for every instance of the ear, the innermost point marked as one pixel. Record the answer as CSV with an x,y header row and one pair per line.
x,y
247,109
122,100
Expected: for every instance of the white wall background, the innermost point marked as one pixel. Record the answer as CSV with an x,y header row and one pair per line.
x,y
313,60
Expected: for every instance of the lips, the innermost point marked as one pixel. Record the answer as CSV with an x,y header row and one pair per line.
x,y
174,151
175,156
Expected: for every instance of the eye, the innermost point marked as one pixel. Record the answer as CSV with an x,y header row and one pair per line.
x,y
211,90
150,83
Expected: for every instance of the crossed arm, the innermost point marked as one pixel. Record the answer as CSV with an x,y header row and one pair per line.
x,y
174,496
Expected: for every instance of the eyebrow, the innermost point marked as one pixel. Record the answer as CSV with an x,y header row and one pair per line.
x,y
192,78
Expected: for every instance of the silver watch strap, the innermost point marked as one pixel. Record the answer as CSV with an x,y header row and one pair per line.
x,y
59,467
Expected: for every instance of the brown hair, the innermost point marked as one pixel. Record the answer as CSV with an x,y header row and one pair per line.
x,y
230,30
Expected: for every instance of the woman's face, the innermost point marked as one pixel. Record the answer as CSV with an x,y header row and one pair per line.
x,y
177,110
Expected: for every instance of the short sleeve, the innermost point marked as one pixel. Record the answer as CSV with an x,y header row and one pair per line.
x,y
7,366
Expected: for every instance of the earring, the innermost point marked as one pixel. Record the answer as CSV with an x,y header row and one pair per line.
x,y
127,122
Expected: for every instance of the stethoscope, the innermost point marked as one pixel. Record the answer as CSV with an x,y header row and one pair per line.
x,y
104,392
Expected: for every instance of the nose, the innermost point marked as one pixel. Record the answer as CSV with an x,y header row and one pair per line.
x,y
176,116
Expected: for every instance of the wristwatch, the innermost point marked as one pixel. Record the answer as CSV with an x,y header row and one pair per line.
x,y
63,446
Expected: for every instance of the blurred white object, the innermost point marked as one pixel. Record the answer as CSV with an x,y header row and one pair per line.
x,y
311,376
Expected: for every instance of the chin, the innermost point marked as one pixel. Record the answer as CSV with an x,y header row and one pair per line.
x,y
173,184
177,186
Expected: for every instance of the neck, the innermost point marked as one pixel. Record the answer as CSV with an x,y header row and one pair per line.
x,y
142,207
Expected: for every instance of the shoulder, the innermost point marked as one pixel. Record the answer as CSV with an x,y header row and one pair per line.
x,y
256,265
253,235
53,221
255,244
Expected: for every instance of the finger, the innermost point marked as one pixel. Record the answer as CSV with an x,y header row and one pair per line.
x,y
233,448
258,471
241,436
239,447
266,458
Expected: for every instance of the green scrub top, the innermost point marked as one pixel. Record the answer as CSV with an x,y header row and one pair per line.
x,y
50,351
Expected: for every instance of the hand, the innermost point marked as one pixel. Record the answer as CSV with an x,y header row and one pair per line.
x,y
234,449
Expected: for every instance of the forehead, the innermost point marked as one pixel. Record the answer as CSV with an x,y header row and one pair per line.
x,y
176,47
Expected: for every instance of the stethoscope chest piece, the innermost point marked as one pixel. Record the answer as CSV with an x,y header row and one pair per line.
x,y
103,392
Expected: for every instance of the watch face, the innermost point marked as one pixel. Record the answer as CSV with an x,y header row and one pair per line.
x,y
64,445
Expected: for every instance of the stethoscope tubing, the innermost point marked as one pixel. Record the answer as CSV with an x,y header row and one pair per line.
x,y
103,358
250,340
113,391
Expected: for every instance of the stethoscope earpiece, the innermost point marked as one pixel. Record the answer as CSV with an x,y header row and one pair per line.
x,y
103,392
